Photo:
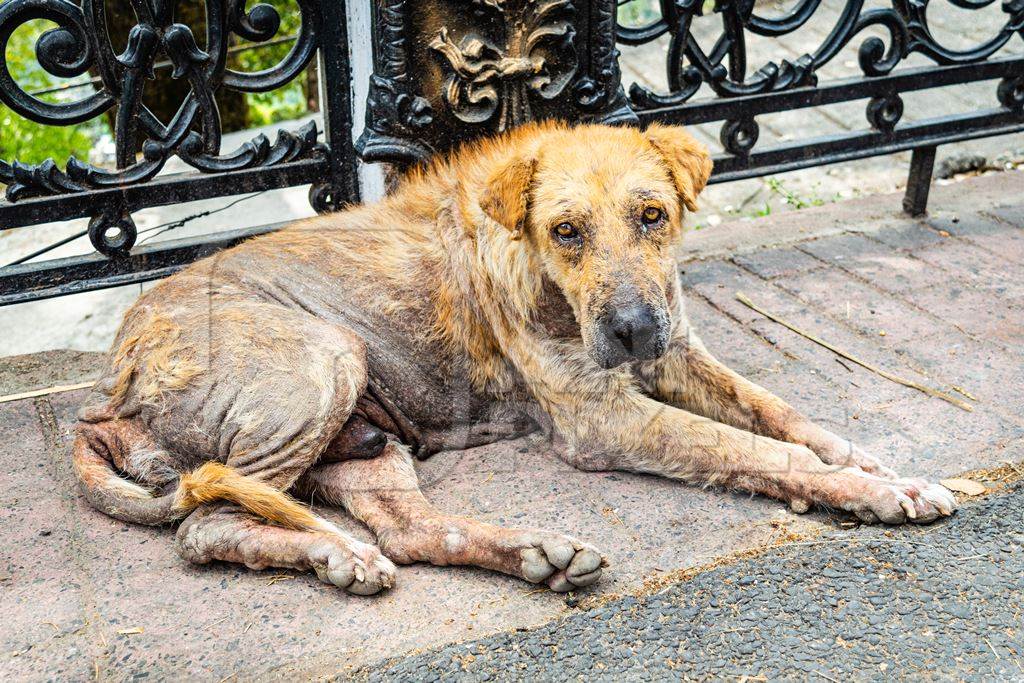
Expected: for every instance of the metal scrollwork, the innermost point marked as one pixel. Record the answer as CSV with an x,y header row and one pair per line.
x,y
395,115
113,231
1011,93
539,60
724,69
80,43
484,66
884,113
739,136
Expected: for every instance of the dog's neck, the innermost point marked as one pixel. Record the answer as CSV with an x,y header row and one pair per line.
x,y
494,291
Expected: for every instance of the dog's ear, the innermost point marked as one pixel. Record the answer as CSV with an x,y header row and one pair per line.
x,y
506,196
687,160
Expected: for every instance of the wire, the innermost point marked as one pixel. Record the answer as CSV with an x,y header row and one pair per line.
x,y
174,225
48,248
162,228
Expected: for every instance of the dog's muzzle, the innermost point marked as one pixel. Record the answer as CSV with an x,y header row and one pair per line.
x,y
632,332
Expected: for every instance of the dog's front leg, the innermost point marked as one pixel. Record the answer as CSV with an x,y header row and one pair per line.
x,y
689,377
611,425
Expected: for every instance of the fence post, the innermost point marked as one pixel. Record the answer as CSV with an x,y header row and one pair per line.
x,y
919,182
449,71
341,186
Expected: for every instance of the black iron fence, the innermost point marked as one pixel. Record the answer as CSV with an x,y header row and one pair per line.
x,y
444,71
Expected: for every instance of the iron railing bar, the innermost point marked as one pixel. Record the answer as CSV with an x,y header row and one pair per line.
x,y
823,151
170,189
832,92
73,274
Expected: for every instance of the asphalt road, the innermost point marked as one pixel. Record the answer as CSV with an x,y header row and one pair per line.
x,y
944,602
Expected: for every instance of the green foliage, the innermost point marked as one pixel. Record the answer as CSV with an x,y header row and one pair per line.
x,y
285,103
778,189
639,12
32,142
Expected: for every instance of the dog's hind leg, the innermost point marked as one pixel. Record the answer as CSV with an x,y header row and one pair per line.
x,y
384,494
305,389
268,390
229,534
276,450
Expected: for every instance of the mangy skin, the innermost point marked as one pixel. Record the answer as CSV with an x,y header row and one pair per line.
x,y
450,315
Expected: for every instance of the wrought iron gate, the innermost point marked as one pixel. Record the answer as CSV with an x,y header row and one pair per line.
x,y
445,71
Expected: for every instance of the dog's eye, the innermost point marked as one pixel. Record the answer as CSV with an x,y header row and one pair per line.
x,y
652,215
566,232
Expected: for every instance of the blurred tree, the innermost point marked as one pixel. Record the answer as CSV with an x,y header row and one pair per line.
x,y
297,97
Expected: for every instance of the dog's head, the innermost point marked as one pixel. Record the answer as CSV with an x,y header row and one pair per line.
x,y
602,209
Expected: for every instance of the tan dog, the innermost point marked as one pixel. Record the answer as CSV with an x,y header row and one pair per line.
x,y
526,282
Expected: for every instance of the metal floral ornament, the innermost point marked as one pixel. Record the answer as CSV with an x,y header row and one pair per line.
x,y
539,60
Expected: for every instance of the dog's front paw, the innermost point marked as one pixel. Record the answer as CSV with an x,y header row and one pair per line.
x,y
898,501
357,567
561,562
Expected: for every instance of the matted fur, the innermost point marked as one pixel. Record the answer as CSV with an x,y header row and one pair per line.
x,y
524,282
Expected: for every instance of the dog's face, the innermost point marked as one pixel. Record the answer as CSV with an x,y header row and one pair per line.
x,y
602,208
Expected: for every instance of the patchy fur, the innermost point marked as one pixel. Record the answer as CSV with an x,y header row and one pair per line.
x,y
524,282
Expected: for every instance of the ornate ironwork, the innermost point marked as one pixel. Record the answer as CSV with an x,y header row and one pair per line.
x,y
446,71
80,43
741,93
451,70
724,68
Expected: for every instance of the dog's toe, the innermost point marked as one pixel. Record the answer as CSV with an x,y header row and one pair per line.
x,y
360,570
561,562
901,501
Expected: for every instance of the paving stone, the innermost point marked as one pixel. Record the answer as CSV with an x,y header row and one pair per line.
x,y
28,475
778,263
992,235
739,348
941,435
977,268
876,263
1012,214
909,236
972,310
880,316
987,371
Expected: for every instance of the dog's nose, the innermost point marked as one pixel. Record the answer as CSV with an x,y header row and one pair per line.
x,y
634,327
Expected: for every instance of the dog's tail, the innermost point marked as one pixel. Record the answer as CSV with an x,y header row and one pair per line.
x,y
123,499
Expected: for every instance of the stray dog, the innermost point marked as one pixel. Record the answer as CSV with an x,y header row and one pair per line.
x,y
525,282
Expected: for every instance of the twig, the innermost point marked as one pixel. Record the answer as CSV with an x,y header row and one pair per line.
x,y
742,298
961,390
1013,466
45,392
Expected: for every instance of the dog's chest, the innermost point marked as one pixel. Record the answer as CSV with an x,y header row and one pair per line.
x,y
434,408
426,397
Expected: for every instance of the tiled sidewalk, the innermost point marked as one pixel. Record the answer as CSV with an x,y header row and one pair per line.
x,y
85,596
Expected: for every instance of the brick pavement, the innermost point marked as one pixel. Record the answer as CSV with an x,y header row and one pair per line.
x,y
946,291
